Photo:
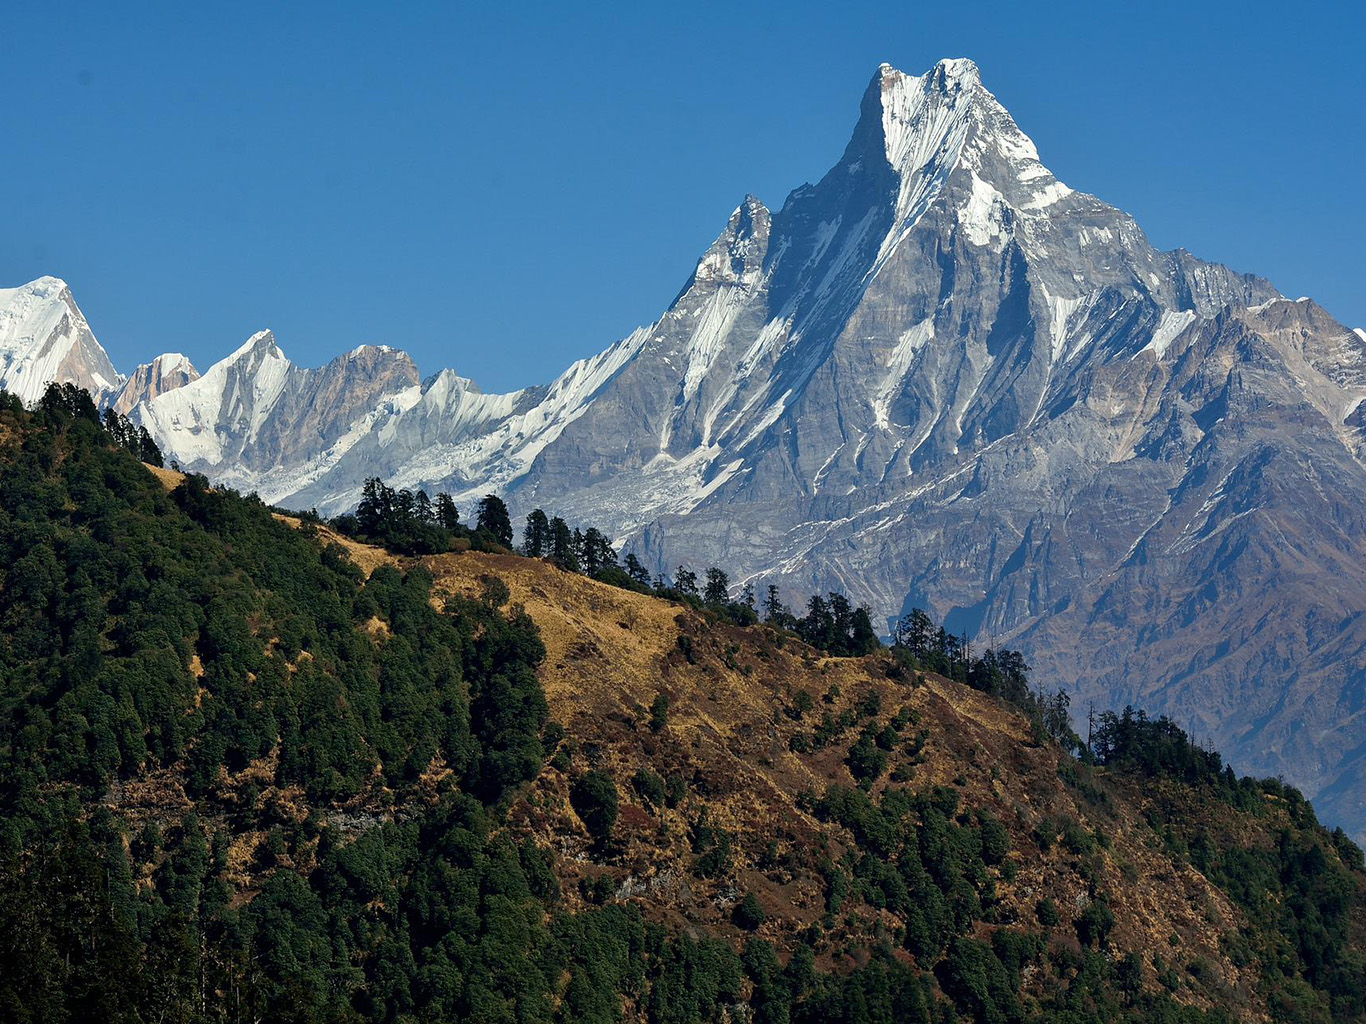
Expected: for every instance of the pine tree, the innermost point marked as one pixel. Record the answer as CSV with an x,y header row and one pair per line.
x,y
863,637
492,518
717,591
148,450
422,508
685,581
375,506
597,552
562,545
636,570
773,608
536,537
914,632
447,515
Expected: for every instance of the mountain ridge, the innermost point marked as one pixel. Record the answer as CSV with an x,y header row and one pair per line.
x,y
936,377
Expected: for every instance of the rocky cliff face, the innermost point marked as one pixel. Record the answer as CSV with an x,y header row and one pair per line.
x,y
936,377
166,372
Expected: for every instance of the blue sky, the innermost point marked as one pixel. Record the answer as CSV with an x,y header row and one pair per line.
x,y
502,189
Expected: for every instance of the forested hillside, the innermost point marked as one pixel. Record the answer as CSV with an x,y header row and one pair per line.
x,y
251,769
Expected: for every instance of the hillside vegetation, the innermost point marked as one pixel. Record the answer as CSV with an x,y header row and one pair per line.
x,y
253,770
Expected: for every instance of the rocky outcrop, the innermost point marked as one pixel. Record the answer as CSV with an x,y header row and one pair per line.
x,y
166,372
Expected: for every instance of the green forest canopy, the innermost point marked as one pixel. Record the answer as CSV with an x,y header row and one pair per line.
x,y
190,633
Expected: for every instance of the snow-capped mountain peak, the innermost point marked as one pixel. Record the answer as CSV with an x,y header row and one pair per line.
x,y
44,337
166,372
936,123
737,255
261,345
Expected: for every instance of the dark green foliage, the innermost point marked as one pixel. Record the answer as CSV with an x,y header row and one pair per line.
x,y
112,585
712,847
866,760
916,860
1047,912
1302,892
595,800
131,437
1152,746
974,977
536,538
492,519
748,913
636,572
716,593
831,624
408,523
675,789
649,787
1095,922
995,839
659,713
685,581
1002,673
597,889
193,633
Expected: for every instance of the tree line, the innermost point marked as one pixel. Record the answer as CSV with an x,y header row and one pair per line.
x,y
189,637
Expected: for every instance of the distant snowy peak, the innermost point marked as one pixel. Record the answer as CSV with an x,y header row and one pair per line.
x,y
256,421
204,420
166,372
44,337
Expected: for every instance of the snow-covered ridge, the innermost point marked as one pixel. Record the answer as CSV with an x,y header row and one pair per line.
x,y
166,372
725,366
44,337
233,397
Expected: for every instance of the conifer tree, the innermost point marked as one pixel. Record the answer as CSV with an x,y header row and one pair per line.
x,y
492,518
536,537
717,590
597,552
562,545
685,581
773,607
422,508
447,515
636,570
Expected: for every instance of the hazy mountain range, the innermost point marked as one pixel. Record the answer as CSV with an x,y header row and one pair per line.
x,y
936,377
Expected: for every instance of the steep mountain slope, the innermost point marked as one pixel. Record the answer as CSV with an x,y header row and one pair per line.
x,y
166,372
256,421
44,337
244,778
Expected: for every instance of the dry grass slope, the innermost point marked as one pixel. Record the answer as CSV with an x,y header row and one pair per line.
x,y
731,691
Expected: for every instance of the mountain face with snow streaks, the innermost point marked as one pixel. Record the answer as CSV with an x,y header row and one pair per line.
x,y
939,377
257,422
44,337
166,372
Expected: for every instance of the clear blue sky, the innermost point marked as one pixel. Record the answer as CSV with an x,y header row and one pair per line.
x,y
504,189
